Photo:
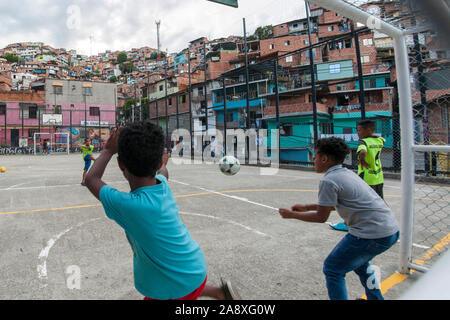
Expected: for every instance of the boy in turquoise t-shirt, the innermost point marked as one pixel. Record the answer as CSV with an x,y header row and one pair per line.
x,y
168,264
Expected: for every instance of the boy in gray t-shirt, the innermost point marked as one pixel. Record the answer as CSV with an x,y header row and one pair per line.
x,y
373,228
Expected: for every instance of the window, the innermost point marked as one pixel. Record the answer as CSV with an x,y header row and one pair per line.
x,y
365,59
370,83
314,53
444,116
161,87
335,68
32,112
87,91
229,117
330,28
57,109
348,43
327,128
57,90
2,108
305,41
286,130
368,42
271,46
170,101
289,59
343,100
183,98
94,111
347,130
287,43
31,133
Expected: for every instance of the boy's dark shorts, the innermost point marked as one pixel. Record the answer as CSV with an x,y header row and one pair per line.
x,y
378,189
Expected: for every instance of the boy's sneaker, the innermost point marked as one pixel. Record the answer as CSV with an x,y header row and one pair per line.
x,y
341,226
229,290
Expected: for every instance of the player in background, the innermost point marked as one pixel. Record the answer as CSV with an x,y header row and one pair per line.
x,y
369,160
87,150
369,156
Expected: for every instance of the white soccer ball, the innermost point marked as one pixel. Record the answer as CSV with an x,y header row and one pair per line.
x,y
229,165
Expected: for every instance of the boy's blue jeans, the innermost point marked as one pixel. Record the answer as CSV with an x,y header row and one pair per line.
x,y
354,254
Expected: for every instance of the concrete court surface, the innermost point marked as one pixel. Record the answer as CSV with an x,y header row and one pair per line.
x,y
52,230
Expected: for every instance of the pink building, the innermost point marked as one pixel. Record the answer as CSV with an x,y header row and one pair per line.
x,y
86,109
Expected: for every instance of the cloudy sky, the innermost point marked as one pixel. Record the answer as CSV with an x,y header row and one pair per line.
x,y
126,24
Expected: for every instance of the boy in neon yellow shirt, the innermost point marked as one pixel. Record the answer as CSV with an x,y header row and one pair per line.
x,y
369,153
369,161
87,150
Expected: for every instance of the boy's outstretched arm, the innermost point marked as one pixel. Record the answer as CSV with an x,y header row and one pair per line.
x,y
94,180
308,213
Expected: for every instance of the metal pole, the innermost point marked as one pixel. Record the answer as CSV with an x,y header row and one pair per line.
x,y
407,172
423,98
190,105
21,111
165,102
224,116
247,88
313,78
362,101
176,105
277,105
85,117
99,128
206,89
70,133
6,130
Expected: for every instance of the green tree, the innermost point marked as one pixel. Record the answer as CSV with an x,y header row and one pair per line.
x,y
262,33
127,67
11,57
122,57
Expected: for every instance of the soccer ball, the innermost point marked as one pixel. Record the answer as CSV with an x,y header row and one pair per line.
x,y
229,165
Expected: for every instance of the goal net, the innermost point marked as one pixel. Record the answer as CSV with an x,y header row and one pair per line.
x,y
57,142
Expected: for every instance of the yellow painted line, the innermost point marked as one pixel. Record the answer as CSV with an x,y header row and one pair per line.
x,y
398,278
51,209
193,195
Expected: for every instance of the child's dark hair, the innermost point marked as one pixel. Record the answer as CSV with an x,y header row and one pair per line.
x,y
141,147
367,124
334,147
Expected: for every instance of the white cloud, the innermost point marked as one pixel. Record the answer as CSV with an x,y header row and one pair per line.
x,y
124,24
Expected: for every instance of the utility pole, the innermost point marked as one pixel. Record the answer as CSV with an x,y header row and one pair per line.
x,y
247,109
360,72
313,78
158,24
190,106
206,89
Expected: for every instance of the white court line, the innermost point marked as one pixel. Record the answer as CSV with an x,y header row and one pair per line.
x,y
16,185
226,220
43,255
228,196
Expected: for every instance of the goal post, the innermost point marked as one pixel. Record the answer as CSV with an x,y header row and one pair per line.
x,y
58,142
